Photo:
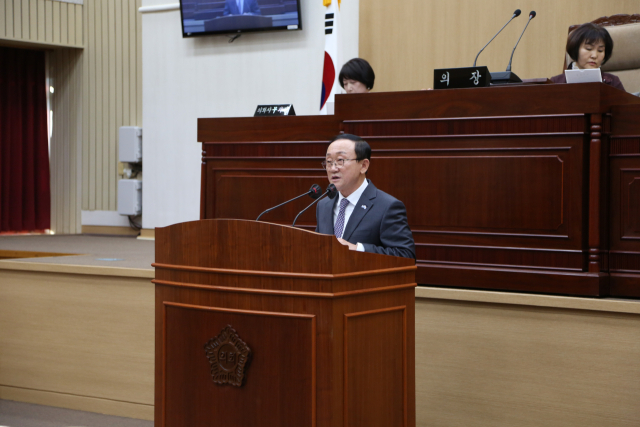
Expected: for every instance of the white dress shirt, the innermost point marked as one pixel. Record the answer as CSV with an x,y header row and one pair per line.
x,y
353,199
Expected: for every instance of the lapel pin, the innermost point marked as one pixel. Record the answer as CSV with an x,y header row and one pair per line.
x,y
364,206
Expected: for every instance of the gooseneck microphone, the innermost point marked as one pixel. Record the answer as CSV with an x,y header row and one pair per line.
x,y
331,192
507,77
314,192
516,13
532,15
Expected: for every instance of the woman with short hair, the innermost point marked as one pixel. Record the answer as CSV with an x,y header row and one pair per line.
x,y
590,46
356,76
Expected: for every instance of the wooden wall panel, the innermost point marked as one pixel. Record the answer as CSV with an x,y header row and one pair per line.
x,y
405,41
455,164
48,12
89,105
41,19
46,22
624,203
630,204
279,341
375,352
88,102
83,342
9,17
500,363
17,18
65,68
249,184
498,190
33,19
624,256
112,91
3,17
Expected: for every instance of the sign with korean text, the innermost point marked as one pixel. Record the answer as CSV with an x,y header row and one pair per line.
x,y
275,110
459,78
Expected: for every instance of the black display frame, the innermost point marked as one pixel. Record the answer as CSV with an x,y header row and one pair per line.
x,y
240,31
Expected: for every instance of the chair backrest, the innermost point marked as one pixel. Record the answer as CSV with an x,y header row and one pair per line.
x,y
625,61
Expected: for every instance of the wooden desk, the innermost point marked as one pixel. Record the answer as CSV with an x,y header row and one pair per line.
x,y
528,188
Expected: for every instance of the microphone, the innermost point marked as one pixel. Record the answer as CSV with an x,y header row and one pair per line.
x,y
516,13
314,192
532,15
508,76
332,192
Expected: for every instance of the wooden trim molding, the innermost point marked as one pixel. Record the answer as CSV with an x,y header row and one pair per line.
x,y
622,146
237,311
285,293
28,266
595,172
285,274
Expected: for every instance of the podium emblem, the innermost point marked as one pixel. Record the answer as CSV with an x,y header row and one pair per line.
x,y
228,356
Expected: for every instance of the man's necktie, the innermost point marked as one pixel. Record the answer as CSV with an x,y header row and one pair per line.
x,y
337,229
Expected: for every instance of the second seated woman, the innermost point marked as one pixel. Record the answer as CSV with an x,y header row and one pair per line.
x,y
590,46
356,76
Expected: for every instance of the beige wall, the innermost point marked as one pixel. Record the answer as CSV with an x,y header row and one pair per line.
x,y
41,21
112,94
64,69
492,359
79,341
94,63
406,40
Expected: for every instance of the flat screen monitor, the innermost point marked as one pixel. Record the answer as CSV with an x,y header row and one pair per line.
x,y
204,17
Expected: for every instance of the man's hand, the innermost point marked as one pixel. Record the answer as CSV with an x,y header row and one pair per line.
x,y
352,247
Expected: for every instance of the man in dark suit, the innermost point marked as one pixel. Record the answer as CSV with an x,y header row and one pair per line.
x,y
240,7
362,217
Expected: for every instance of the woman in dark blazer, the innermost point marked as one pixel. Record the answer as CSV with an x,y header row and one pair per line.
x,y
590,46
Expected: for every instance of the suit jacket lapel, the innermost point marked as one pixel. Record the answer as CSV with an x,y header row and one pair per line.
x,y
327,218
359,211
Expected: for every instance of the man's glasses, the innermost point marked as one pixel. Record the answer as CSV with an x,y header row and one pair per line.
x,y
338,163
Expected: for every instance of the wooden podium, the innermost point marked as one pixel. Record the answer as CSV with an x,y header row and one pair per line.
x,y
260,325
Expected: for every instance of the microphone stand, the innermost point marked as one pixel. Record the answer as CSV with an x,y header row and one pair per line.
x,y
508,76
515,14
331,191
282,204
314,189
531,16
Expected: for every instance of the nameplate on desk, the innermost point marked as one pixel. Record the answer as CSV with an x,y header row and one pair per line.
x,y
459,78
275,110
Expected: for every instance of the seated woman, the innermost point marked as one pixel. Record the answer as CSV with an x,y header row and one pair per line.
x,y
356,76
590,46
